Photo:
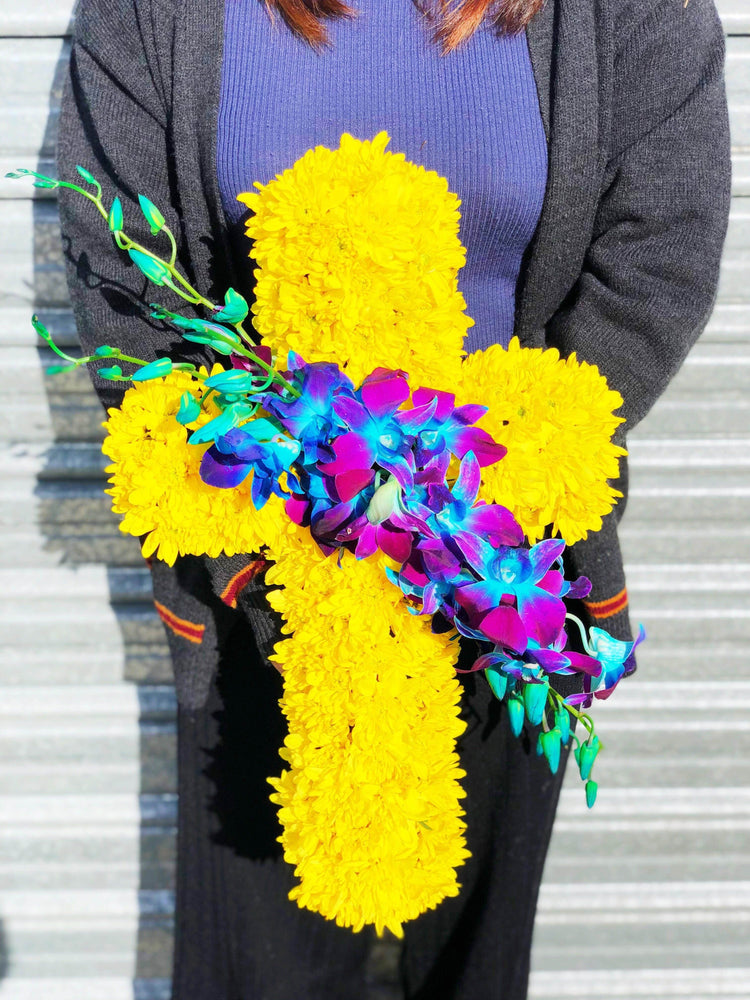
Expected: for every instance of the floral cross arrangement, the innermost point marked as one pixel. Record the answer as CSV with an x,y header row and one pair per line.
x,y
398,514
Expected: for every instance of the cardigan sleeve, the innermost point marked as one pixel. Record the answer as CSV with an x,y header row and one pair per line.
x,y
115,122
650,275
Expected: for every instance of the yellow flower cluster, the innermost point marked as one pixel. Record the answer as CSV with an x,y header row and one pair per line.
x,y
370,803
156,484
555,417
358,255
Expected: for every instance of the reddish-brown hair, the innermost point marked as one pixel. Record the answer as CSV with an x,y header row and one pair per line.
x,y
455,22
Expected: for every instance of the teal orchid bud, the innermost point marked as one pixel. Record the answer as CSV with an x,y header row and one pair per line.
x,y
216,337
498,682
216,427
535,699
189,410
40,329
587,756
591,790
151,214
59,369
551,747
562,722
153,269
88,177
385,500
105,351
157,369
515,713
46,182
115,219
233,380
112,374
235,308
539,745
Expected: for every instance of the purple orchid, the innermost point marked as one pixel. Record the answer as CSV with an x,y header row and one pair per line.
x,y
311,418
449,428
457,519
514,576
374,436
613,655
257,446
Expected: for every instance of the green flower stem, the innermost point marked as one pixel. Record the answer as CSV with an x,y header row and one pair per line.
x,y
187,292
581,628
243,333
584,719
170,234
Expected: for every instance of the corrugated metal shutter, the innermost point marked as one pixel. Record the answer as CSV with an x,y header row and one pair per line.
x,y
648,891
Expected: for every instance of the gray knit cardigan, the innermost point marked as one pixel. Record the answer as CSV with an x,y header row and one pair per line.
x,y
623,267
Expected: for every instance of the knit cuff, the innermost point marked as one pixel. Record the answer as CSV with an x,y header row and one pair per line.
x,y
240,582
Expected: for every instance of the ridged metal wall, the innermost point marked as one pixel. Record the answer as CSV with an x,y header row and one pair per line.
x,y
646,896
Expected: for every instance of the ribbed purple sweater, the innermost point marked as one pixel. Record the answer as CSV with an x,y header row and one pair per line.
x,y
473,116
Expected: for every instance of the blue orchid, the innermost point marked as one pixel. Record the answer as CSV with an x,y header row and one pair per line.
x,y
447,427
311,417
257,446
518,596
374,436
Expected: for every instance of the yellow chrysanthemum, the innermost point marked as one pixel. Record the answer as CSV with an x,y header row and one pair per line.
x,y
370,804
555,417
358,255
156,485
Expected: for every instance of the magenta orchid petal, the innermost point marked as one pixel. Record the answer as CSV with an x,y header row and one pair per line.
x,y
584,664
477,598
580,698
384,391
430,599
328,522
396,544
434,471
352,452
496,523
553,582
469,413
400,468
487,660
479,553
542,614
367,543
297,509
413,575
349,484
485,448
445,401
504,627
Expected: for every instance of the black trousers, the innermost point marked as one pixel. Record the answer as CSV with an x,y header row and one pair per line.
x,y
237,936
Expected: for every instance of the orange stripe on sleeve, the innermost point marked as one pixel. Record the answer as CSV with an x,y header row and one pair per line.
x,y
240,580
180,626
608,608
